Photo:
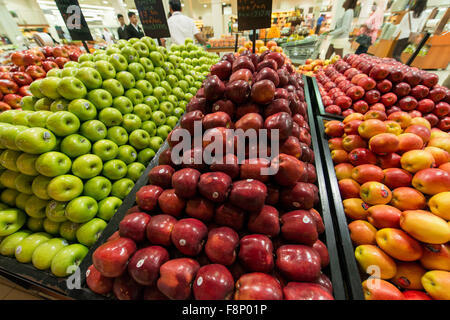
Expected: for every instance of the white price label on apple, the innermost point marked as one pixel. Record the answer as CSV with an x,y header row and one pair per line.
x,y
18,249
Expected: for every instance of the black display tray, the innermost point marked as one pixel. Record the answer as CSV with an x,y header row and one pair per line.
x,y
317,104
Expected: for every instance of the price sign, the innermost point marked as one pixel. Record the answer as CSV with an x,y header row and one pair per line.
x,y
153,18
74,19
254,14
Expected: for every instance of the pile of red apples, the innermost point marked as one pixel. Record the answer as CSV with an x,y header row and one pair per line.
x,y
394,180
363,83
27,66
225,231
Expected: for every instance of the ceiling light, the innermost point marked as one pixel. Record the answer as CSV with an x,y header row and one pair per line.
x,y
182,4
205,5
105,2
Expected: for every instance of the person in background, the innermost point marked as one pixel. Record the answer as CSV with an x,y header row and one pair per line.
x,y
320,21
412,22
182,27
375,20
364,39
133,29
122,30
339,36
108,36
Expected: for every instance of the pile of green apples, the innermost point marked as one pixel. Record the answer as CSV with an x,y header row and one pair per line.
x,y
80,142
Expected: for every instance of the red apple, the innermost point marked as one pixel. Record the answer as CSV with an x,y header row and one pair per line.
x,y
221,245
176,277
159,229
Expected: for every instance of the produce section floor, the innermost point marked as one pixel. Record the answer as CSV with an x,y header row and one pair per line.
x,y
11,291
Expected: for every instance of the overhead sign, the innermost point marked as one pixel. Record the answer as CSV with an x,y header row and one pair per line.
x,y
153,18
74,19
254,14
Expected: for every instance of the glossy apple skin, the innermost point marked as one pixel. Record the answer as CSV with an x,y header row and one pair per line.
x,y
125,288
258,286
265,222
281,121
214,186
111,258
248,194
188,236
176,277
299,227
290,169
97,282
298,262
159,229
322,250
144,265
230,216
221,245
200,208
256,253
134,226
185,182
305,291
251,169
161,176
300,196
213,282
170,203
147,197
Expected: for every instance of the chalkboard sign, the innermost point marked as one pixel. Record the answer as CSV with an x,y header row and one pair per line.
x,y
153,18
74,19
254,14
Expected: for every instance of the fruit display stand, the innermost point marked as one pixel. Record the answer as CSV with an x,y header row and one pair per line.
x,y
317,103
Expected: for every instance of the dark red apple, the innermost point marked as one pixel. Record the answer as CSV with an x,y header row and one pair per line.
x,y
258,286
221,245
213,282
222,69
161,176
134,225
159,229
306,291
265,222
176,277
144,265
298,262
248,194
185,182
256,253
299,227
214,186
147,197
170,203
263,91
214,88
125,288
188,236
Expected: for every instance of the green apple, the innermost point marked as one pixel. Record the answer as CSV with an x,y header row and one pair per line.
x,y
101,57
53,163
168,67
38,118
155,143
26,247
59,105
190,79
163,131
66,261
75,145
188,96
126,79
23,184
147,64
8,178
8,196
141,48
85,57
153,78
106,69
114,169
110,117
159,118
198,84
65,187
135,170
12,220
131,122
118,135
36,207
54,73
145,155
8,159
172,80
56,211
150,127
178,112
89,232
121,188
68,72
152,102
87,166
81,209
68,230
114,87
123,104
21,200
134,95
48,87
43,255
143,111
105,149
163,51
35,224
9,244
94,130
51,227
21,118
43,104
144,87
130,54
171,121
183,104
150,43
139,139
160,93
87,64
108,207
101,98
98,188
161,72
27,102
71,88
63,123
118,61
193,91
83,109
166,107
111,50
157,58
34,88
39,187
35,140
137,70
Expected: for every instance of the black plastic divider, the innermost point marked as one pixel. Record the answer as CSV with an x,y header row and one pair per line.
x,y
317,104
330,236
352,273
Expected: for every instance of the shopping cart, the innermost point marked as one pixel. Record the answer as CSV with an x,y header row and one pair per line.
x,y
300,50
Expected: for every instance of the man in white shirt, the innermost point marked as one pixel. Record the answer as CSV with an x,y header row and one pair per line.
x,y
180,26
